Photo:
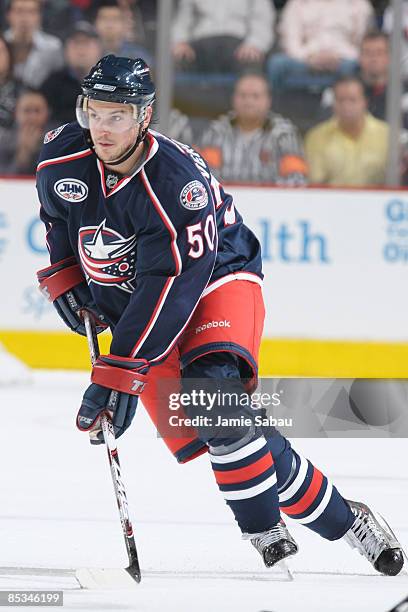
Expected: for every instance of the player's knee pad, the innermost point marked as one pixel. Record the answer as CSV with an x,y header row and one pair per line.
x,y
218,402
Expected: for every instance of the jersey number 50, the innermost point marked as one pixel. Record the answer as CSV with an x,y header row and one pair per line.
x,y
196,235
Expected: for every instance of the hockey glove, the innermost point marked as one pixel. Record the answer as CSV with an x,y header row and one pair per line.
x,y
64,285
116,384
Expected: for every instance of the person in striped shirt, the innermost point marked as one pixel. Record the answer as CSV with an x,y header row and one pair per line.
x,y
252,144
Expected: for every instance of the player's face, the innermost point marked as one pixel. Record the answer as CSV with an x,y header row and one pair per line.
x,y
113,129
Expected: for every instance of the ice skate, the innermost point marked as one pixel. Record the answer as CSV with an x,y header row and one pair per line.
x,y
375,540
275,545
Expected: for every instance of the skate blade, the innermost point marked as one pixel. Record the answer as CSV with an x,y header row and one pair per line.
x,y
104,578
285,569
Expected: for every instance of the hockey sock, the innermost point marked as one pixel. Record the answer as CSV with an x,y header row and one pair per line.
x,y
240,457
246,478
306,495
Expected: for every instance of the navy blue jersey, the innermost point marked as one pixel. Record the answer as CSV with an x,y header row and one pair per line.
x,y
149,244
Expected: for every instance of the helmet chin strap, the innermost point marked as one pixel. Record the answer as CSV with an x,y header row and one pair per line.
x,y
129,152
120,160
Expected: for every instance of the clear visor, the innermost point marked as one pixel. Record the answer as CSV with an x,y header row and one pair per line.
x,y
107,116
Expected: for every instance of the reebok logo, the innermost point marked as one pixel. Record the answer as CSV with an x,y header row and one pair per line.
x,y
211,324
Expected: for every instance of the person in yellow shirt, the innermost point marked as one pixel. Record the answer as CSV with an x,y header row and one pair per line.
x,y
351,148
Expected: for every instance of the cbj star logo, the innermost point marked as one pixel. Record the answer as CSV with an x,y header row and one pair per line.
x,y
107,258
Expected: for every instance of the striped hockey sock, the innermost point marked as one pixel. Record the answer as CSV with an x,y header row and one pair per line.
x,y
309,497
246,478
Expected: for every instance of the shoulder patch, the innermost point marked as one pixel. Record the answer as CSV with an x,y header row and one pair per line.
x,y
53,133
194,196
71,190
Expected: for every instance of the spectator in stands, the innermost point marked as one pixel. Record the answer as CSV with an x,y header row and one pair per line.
x,y
320,40
35,54
31,124
110,24
252,144
8,89
373,71
374,64
351,148
82,51
222,35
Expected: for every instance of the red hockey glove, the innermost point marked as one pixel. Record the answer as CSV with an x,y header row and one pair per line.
x,y
64,285
125,376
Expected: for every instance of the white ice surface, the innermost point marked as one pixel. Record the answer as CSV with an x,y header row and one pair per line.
x,y
58,511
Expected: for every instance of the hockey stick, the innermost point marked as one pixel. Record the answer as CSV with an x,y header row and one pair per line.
x,y
111,578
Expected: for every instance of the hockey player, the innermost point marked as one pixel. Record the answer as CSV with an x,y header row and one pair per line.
x,y
143,237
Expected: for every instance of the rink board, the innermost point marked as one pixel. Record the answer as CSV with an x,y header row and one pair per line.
x,y
334,264
281,357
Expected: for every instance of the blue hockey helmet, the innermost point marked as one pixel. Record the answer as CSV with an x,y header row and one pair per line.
x,y
121,80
